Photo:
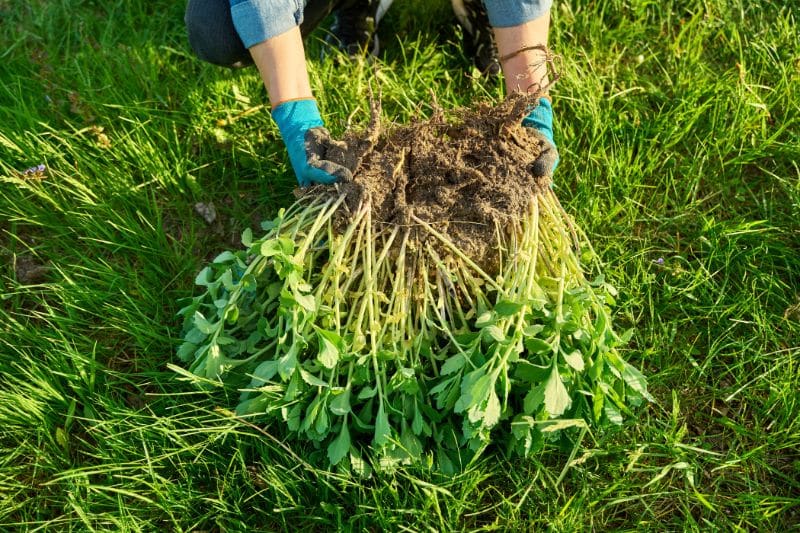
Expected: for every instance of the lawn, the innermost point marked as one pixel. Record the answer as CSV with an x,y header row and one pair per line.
x,y
678,125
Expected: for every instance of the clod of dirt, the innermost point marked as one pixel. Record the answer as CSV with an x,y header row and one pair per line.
x,y
207,211
28,270
464,176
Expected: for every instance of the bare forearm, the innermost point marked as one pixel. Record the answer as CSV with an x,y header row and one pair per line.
x,y
282,63
525,71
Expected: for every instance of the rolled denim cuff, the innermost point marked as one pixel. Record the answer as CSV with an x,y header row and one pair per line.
x,y
259,20
507,13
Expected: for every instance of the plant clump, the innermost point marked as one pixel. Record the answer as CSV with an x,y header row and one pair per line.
x,y
433,305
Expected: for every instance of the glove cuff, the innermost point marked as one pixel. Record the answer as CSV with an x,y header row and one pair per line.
x,y
296,116
541,118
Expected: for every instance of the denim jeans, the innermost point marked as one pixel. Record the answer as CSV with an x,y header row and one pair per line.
x,y
220,31
214,38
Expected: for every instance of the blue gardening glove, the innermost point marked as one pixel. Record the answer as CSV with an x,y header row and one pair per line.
x,y
540,119
307,142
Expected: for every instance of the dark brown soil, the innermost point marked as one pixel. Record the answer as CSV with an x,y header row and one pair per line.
x,y
461,175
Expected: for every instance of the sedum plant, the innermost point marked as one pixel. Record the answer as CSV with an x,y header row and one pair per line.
x,y
363,337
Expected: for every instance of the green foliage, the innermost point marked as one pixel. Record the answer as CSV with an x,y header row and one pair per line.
x,y
305,322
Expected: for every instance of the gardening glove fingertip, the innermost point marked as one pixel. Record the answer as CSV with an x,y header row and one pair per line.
x,y
317,175
322,150
546,163
337,172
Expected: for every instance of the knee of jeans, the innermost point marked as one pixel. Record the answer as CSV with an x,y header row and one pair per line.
x,y
212,36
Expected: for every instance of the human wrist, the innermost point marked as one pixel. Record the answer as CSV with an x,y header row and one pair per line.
x,y
526,69
524,55
282,64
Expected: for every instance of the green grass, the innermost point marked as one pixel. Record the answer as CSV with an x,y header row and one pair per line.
x,y
678,125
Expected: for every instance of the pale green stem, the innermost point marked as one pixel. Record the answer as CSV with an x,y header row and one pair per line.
x,y
369,299
334,267
453,248
318,223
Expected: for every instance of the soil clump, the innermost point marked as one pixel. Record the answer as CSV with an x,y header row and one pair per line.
x,y
465,177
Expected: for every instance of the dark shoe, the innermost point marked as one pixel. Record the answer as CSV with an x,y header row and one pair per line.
x,y
354,26
478,36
